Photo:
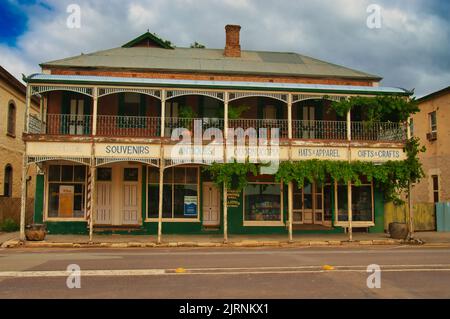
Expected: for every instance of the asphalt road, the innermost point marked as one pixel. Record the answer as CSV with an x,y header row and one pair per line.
x,y
406,272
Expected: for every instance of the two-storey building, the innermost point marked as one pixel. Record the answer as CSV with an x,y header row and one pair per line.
x,y
107,140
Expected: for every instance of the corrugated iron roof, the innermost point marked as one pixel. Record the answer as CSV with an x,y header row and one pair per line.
x,y
210,61
264,86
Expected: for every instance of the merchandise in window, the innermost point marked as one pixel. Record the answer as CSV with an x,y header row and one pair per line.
x,y
180,193
66,191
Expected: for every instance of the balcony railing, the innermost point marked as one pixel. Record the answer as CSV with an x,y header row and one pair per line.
x,y
258,124
137,126
68,124
378,131
200,124
128,126
323,130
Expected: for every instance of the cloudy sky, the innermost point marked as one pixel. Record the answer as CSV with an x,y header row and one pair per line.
x,y
410,50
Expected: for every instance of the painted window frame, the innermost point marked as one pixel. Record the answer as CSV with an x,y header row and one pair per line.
x,y
345,223
432,126
269,223
11,119
174,219
46,193
435,188
8,172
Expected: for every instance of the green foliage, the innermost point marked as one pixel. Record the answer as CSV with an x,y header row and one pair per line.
x,y
234,112
393,177
9,225
379,108
233,175
197,45
186,112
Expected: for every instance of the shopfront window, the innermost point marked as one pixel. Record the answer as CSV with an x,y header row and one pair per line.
x,y
263,202
66,191
180,193
362,202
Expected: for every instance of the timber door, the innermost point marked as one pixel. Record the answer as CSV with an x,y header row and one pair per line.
x,y
130,196
211,205
76,121
104,196
308,204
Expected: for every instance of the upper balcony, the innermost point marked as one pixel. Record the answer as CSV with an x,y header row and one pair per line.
x,y
136,115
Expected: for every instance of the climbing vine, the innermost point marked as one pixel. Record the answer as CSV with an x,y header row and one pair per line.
x,y
233,175
392,177
379,108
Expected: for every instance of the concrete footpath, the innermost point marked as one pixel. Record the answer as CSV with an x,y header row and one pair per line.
x,y
11,240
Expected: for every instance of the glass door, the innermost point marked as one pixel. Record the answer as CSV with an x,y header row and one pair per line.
x,y
308,204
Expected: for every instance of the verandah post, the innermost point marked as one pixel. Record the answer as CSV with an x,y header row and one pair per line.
x,y
163,112
160,203
350,212
23,202
349,183
289,104
94,111
225,214
93,192
290,208
225,191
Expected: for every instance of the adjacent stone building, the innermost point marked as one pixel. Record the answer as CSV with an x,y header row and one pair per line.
x,y
432,126
12,111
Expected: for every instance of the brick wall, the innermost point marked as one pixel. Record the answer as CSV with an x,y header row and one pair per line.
x,y
213,77
12,147
436,160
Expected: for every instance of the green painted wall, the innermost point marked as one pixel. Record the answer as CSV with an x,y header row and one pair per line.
x,y
38,217
235,218
379,212
62,228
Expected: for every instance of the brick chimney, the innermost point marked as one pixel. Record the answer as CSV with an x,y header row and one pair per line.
x,y
232,46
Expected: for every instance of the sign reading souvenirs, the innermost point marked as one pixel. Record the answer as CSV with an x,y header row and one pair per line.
x,y
127,150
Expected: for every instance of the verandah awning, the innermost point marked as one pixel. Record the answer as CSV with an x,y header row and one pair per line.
x,y
222,85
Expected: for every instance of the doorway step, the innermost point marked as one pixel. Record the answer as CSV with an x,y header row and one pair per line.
x,y
311,227
107,229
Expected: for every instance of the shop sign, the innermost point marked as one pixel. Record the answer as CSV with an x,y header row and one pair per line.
x,y
330,153
233,197
66,200
371,154
190,205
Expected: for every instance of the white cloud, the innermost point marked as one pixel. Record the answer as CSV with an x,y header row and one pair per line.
x,y
410,50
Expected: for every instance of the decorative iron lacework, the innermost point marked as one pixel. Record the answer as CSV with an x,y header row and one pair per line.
x,y
108,91
108,160
175,93
39,159
38,89
239,95
301,97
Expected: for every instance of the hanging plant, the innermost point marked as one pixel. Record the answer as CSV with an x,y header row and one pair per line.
x,y
233,175
392,177
379,108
